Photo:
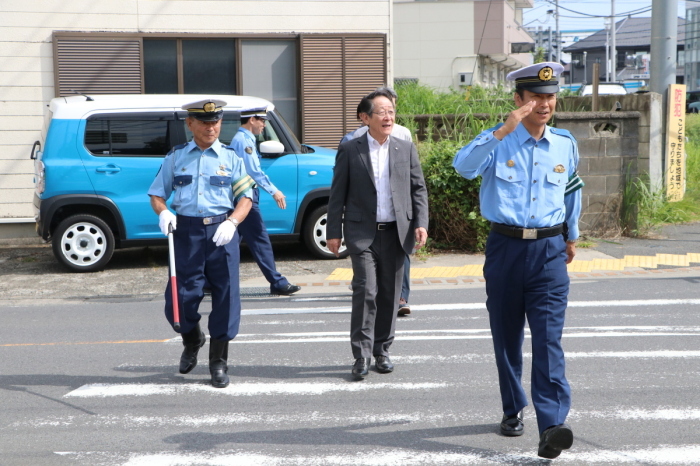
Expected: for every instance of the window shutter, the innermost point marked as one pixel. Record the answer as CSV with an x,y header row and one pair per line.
x,y
365,70
337,71
322,90
94,65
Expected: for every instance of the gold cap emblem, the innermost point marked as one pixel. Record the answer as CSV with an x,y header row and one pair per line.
x,y
546,74
209,107
559,168
248,150
510,163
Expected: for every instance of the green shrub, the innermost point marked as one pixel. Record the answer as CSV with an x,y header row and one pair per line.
x,y
455,218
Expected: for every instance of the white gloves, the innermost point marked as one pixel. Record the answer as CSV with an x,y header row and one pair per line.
x,y
166,218
224,234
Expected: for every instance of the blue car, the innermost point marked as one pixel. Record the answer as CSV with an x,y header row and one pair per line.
x,y
102,152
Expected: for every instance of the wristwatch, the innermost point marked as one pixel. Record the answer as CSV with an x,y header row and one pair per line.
x,y
234,221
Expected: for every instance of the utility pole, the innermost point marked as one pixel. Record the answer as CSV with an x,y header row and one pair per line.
x,y
664,44
550,43
614,48
558,34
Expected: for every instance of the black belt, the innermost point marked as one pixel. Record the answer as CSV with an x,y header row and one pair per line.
x,y
203,220
527,233
386,226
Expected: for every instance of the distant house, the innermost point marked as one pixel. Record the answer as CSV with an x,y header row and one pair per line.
x,y
452,43
633,44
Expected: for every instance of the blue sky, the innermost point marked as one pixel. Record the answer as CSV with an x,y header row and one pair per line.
x,y
572,20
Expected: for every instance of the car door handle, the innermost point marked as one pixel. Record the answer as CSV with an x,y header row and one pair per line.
x,y
108,169
313,172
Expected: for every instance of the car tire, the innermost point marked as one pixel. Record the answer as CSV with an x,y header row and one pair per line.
x,y
83,243
314,235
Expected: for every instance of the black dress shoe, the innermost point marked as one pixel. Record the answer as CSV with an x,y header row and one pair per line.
x,y
193,341
383,364
513,426
285,290
361,368
554,440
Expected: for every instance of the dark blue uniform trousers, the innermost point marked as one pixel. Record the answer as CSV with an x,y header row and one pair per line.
x,y
528,279
198,258
254,233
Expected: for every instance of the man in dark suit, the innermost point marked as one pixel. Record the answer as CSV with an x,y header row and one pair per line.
x,y
379,201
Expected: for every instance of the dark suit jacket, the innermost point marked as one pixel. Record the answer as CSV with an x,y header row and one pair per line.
x,y
352,207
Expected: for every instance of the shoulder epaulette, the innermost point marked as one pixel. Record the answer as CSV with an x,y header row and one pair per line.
x,y
563,132
177,147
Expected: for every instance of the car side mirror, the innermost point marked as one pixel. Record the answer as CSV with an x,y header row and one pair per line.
x,y
271,149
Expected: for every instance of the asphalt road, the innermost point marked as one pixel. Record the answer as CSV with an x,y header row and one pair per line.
x,y
96,383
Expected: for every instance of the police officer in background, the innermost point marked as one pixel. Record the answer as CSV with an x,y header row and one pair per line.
x,y
206,178
253,230
529,193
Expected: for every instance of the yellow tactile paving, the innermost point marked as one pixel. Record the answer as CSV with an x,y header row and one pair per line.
x,y
673,259
476,270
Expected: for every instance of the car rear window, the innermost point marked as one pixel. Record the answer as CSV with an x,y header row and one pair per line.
x,y
122,135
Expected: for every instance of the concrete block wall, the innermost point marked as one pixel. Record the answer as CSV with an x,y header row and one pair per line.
x,y
608,144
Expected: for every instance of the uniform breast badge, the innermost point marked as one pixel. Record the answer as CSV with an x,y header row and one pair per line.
x,y
559,168
510,163
248,150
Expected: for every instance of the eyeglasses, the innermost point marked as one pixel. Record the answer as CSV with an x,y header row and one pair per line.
x,y
383,113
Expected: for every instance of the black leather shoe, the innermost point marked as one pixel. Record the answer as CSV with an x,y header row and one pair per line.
x,y
193,341
218,355
554,440
285,290
513,426
361,368
383,364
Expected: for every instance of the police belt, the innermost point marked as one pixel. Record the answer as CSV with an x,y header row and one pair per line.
x,y
203,220
527,233
386,225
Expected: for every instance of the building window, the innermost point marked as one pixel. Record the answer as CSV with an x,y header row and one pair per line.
x,y
208,66
160,66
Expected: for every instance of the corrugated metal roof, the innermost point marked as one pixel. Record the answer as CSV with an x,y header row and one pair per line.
x,y
630,33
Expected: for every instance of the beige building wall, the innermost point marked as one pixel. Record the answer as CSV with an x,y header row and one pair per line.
x,y
429,38
436,41
26,55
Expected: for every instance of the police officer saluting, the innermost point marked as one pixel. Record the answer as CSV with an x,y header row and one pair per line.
x,y
206,178
253,230
529,193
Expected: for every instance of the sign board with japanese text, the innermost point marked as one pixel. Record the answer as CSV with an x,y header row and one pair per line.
x,y
675,143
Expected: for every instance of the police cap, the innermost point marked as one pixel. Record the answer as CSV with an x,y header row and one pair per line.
x,y
205,110
260,112
540,78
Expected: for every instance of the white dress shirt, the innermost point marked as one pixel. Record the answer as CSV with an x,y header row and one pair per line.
x,y
379,154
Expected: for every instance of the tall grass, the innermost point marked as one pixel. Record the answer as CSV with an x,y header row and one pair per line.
x,y
646,207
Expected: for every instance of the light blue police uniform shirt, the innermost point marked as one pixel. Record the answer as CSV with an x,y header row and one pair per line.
x,y
200,179
244,138
530,193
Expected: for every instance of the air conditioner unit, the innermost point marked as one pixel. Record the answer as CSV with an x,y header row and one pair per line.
x,y
465,79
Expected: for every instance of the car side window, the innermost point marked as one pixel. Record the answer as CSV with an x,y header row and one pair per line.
x,y
119,136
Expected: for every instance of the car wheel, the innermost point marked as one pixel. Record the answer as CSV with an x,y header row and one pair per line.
x,y
315,235
83,243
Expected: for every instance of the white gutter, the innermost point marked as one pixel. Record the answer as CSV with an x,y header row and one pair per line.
x,y
18,220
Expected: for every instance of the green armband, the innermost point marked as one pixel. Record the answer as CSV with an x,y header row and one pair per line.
x,y
575,182
242,185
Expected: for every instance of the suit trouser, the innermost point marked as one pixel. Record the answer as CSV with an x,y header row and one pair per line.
x,y
254,233
376,285
197,259
528,279
406,282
